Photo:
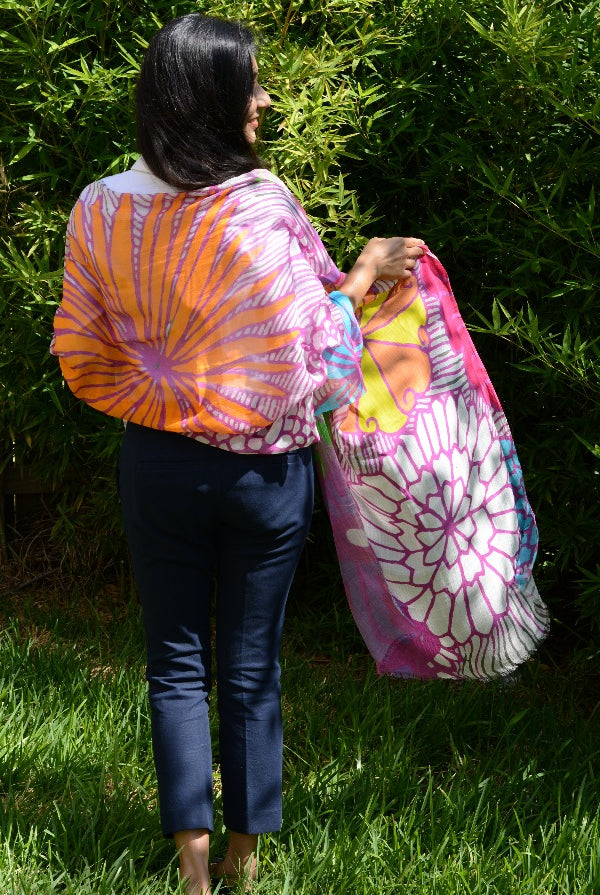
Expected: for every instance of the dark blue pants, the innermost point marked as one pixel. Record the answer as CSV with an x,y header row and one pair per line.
x,y
196,515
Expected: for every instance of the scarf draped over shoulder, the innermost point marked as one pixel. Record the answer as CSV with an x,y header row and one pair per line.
x,y
202,312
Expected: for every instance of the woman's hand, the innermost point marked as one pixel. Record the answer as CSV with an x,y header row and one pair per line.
x,y
393,258
382,259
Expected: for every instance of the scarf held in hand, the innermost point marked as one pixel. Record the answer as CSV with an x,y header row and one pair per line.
x,y
434,533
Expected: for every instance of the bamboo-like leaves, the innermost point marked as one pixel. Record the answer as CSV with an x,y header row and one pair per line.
x,y
475,126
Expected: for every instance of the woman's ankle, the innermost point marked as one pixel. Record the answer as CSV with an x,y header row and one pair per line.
x,y
240,858
193,847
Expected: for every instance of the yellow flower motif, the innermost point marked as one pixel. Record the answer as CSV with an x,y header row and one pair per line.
x,y
395,364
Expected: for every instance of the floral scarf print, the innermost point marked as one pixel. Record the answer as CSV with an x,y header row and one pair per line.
x,y
205,313
434,533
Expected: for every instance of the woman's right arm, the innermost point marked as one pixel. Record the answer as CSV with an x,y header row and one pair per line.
x,y
381,259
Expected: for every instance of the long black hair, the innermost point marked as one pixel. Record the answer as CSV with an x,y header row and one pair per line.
x,y
193,95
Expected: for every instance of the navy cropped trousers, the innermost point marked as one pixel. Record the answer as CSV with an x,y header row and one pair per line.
x,y
201,521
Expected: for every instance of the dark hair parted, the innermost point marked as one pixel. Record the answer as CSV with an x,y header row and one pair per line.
x,y
193,95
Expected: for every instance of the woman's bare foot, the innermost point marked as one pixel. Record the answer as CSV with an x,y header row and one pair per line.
x,y
193,846
240,861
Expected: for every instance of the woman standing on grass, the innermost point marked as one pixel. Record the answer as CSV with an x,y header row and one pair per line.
x,y
195,305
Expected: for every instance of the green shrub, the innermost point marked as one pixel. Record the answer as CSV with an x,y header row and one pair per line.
x,y
472,125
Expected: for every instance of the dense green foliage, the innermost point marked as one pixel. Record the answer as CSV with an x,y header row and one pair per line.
x,y
472,125
390,787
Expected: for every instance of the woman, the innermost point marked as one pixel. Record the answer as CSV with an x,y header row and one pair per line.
x,y
195,305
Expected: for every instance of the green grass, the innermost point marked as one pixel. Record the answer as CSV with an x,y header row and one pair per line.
x,y
390,786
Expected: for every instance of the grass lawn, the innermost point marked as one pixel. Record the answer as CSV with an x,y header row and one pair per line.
x,y
390,786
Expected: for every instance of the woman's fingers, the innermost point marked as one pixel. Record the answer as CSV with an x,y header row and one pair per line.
x,y
414,252
396,257
413,242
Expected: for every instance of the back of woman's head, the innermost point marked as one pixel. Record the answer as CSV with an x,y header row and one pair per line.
x,y
193,95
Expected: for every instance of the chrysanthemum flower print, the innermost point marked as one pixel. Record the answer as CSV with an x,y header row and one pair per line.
x,y
452,509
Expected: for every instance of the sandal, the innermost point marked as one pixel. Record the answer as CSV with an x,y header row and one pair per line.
x,y
227,883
